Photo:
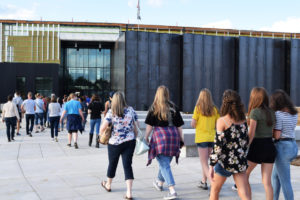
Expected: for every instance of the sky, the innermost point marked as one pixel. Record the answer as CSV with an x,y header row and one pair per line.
x,y
260,15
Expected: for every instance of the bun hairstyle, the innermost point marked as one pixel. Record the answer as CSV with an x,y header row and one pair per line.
x,y
233,106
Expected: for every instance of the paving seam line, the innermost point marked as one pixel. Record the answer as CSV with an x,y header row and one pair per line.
x,y
28,182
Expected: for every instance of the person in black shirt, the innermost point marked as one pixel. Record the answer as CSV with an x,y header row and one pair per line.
x,y
95,108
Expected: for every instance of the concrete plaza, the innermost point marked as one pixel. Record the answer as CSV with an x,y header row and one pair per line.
x,y
39,168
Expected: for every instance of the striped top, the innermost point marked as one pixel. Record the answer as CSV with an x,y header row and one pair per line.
x,y
286,123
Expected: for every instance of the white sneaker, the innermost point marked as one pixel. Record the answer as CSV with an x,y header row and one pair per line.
x,y
170,196
234,188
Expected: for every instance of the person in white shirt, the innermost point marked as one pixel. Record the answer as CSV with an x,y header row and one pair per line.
x,y
10,115
54,115
29,107
39,113
18,101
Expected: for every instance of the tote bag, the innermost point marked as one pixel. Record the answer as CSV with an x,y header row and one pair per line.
x,y
141,145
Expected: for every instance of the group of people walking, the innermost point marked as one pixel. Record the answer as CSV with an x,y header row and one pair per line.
x,y
229,140
265,136
72,110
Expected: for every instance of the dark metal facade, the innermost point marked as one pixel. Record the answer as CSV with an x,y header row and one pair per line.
x,y
208,62
262,63
152,59
9,72
295,71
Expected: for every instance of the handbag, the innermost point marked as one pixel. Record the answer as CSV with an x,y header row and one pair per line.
x,y
141,145
296,161
104,138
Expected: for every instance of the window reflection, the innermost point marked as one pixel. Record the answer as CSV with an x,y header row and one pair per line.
x,y
87,71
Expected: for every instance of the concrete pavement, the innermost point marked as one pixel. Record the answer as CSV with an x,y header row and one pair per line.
x,y
39,168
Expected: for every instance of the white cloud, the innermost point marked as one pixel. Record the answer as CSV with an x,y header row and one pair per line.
x,y
291,24
11,11
155,3
226,24
132,3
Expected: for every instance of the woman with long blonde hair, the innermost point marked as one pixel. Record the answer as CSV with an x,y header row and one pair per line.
x,y
165,121
262,150
122,141
204,119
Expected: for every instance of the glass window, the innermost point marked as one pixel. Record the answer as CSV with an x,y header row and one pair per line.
x,y
71,58
43,85
92,57
21,85
88,70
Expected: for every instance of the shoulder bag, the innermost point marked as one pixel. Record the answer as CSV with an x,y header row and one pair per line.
x,y
141,145
104,138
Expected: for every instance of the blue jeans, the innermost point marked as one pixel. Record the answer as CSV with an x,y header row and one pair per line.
x,y
281,176
39,116
93,123
165,173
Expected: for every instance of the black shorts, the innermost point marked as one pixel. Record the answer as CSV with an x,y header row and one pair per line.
x,y
20,115
262,150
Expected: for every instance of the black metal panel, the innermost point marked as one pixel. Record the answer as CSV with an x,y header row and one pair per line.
x,y
9,72
295,71
143,64
208,62
131,68
153,69
262,63
152,59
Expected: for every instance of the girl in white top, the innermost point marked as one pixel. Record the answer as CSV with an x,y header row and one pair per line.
x,y
54,115
10,114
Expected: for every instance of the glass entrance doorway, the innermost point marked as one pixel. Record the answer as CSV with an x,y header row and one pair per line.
x,y
86,70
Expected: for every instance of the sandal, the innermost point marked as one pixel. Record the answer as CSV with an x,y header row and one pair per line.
x,y
128,198
103,184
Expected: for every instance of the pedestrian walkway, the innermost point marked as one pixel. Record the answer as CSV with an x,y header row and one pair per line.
x,y
39,168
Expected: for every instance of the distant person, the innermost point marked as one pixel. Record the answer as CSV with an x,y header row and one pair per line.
x,y
63,121
262,150
165,120
95,108
108,103
285,144
39,113
28,106
74,119
229,156
18,101
122,142
84,109
47,123
10,115
204,120
54,115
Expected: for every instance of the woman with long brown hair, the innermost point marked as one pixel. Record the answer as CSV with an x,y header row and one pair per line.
x,y
204,120
165,121
122,141
230,148
262,150
286,146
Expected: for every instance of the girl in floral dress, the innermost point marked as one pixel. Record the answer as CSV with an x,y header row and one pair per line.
x,y
229,156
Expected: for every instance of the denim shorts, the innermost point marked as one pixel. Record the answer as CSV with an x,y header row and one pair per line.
x,y
221,171
205,144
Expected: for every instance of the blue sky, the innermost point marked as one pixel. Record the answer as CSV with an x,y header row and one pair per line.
x,y
237,14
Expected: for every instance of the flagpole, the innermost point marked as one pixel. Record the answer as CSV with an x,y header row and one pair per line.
x,y
138,14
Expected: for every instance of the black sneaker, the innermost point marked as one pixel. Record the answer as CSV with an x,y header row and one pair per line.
x,y
18,134
69,145
75,145
30,135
